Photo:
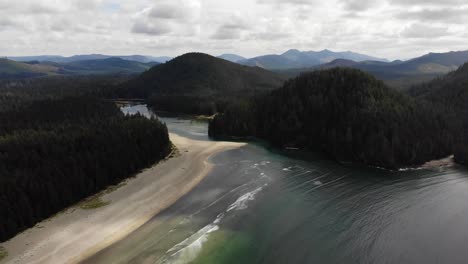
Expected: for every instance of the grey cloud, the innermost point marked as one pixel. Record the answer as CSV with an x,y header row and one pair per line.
x,y
40,8
232,29
169,12
87,4
450,15
6,23
359,5
262,26
229,31
180,17
226,32
423,31
60,26
428,2
186,10
287,2
270,36
151,28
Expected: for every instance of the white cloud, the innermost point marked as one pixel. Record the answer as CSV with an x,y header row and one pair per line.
x,y
232,28
151,27
384,28
359,5
179,17
443,15
424,31
428,2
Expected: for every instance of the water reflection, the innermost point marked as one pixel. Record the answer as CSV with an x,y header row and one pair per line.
x,y
184,126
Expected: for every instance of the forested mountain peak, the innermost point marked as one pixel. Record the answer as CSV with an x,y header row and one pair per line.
x,y
199,83
201,75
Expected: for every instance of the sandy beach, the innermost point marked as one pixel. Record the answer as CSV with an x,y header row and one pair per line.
x,y
445,162
75,234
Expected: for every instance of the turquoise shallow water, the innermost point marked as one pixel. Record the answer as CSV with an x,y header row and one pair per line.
x,y
260,206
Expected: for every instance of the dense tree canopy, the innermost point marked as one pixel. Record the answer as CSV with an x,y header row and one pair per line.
x,y
55,152
345,113
15,93
450,93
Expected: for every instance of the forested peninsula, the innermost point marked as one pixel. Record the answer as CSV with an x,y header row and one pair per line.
x,y
346,114
56,152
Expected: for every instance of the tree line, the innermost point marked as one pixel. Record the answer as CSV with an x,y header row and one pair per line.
x,y
450,93
347,114
55,152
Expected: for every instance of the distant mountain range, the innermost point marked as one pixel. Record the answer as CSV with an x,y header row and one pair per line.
x,y
61,59
400,74
232,57
10,69
302,59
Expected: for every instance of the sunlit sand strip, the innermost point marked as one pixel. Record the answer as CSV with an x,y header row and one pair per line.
x,y
77,234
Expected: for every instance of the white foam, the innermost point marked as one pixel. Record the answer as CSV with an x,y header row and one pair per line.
x,y
411,169
187,250
241,203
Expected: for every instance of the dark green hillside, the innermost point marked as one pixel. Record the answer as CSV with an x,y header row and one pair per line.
x,y
345,113
54,153
451,93
17,70
194,82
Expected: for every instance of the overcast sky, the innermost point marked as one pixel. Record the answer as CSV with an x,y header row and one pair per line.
x,y
394,29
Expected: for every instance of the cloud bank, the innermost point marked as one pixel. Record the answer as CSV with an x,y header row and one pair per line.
x,y
396,29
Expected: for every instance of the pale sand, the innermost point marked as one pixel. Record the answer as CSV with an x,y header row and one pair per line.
x,y
76,234
446,162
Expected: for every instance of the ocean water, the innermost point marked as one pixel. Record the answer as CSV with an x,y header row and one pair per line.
x,y
261,206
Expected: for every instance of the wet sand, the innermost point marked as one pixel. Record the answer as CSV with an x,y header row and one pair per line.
x,y
76,234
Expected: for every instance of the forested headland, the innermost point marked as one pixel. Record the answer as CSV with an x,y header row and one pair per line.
x,y
450,93
347,114
56,152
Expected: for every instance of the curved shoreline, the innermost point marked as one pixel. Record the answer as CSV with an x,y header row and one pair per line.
x,y
77,234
